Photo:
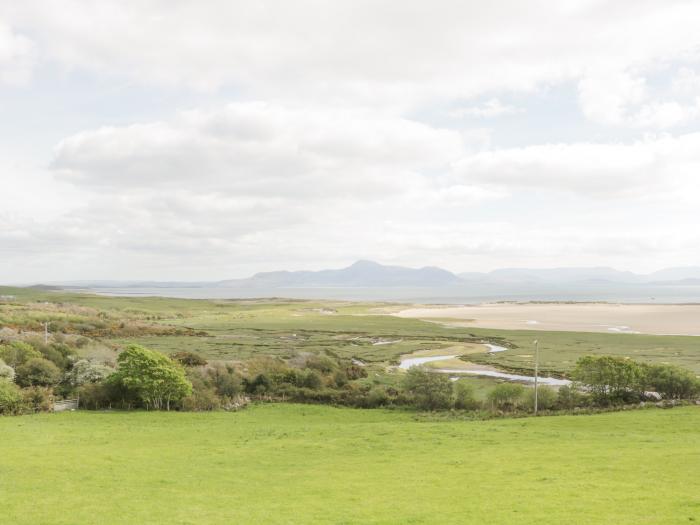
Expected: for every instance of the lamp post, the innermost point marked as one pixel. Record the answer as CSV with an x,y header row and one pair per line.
x,y
537,362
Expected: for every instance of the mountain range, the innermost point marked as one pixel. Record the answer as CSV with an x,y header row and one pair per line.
x,y
369,274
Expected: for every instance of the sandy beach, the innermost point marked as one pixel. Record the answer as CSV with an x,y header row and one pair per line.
x,y
660,319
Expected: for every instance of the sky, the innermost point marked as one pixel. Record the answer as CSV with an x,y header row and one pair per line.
x,y
189,140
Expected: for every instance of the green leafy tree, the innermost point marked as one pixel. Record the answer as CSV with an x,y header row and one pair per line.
x,y
17,353
672,381
610,378
38,372
155,379
11,400
429,390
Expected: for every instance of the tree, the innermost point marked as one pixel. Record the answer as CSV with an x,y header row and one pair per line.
x,y
11,400
154,378
6,372
672,381
429,390
610,378
506,396
84,371
38,372
17,353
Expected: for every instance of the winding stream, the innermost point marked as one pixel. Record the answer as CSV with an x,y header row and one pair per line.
x,y
417,361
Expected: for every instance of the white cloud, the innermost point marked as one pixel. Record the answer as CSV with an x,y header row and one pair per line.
x,y
253,148
358,50
16,56
489,109
651,167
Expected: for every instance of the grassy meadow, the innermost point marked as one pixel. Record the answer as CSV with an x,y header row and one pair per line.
x,y
315,464
240,329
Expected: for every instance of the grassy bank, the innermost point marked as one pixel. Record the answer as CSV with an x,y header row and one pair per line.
x,y
314,464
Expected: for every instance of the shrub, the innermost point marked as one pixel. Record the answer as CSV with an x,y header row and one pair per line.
x,y
546,398
82,342
355,372
226,381
428,390
38,372
6,372
95,395
322,363
84,371
17,353
506,396
672,381
464,398
568,398
188,359
203,396
58,353
340,379
260,385
11,401
312,380
38,398
377,397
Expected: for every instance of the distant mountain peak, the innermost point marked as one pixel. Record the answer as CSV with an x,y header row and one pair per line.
x,y
362,273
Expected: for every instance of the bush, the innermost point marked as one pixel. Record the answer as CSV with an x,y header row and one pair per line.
x,y
226,381
546,398
569,398
84,371
260,385
672,381
58,353
322,363
312,380
188,359
464,398
17,353
38,372
340,379
355,372
11,401
6,372
38,399
95,395
428,390
377,397
506,396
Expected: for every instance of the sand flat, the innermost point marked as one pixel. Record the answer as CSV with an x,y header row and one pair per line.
x,y
659,319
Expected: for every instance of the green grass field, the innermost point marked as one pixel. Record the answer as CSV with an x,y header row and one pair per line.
x,y
314,464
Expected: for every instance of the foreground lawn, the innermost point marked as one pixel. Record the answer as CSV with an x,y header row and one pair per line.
x,y
315,464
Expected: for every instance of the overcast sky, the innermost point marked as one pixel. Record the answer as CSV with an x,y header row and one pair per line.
x,y
198,140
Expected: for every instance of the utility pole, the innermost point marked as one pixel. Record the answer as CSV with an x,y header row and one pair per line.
x,y
537,363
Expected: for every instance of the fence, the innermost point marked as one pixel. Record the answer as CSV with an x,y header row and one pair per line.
x,y
65,404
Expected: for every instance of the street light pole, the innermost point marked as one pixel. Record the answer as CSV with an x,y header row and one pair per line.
x,y
537,363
